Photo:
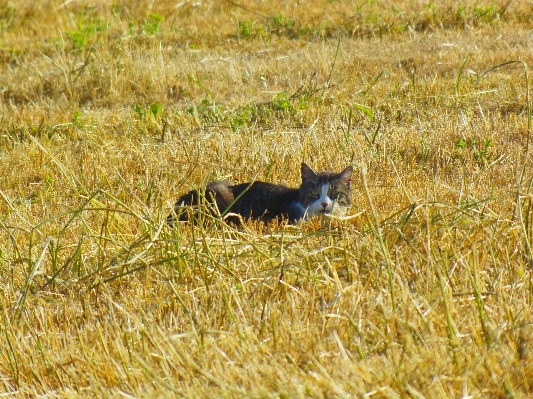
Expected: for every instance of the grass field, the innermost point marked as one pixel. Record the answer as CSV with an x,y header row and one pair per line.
x,y
110,110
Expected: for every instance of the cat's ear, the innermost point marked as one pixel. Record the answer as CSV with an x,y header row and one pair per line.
x,y
307,172
346,175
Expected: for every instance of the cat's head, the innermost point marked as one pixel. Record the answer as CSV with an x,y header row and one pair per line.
x,y
326,192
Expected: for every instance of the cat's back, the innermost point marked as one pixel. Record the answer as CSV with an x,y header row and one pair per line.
x,y
266,201
261,189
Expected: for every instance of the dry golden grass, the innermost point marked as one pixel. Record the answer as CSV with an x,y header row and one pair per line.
x,y
111,109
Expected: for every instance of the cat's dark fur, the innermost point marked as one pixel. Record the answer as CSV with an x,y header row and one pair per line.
x,y
320,193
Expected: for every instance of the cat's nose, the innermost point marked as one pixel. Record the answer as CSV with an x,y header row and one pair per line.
x,y
324,204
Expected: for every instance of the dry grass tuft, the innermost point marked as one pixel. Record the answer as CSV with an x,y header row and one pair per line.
x,y
111,109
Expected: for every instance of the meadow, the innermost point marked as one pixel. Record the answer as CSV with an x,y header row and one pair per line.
x,y
110,110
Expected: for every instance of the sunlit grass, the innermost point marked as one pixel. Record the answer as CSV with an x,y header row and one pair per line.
x,y
110,110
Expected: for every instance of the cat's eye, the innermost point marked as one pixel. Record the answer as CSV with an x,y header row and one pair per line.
x,y
314,194
333,194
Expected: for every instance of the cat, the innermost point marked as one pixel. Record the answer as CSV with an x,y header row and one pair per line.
x,y
324,193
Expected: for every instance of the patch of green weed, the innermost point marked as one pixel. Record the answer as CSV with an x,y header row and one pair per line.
x,y
77,119
86,32
280,22
485,13
250,29
155,110
151,25
245,28
281,103
207,112
242,116
478,147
